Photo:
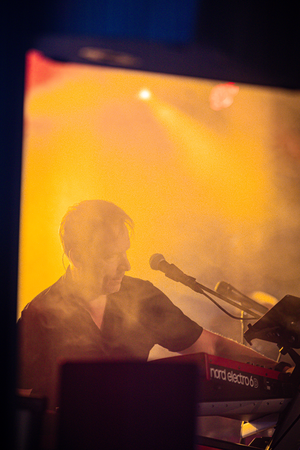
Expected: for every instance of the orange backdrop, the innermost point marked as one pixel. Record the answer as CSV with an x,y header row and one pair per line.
x,y
205,187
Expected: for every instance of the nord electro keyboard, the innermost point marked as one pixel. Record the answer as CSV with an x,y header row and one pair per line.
x,y
238,390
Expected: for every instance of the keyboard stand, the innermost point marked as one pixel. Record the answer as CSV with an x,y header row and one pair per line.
x,y
222,445
259,425
286,435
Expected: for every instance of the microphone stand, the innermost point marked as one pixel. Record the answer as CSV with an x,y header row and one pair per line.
x,y
245,304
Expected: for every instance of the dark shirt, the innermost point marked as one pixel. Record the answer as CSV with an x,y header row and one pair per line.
x,y
56,326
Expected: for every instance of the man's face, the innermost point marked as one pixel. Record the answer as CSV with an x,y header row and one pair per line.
x,y
105,262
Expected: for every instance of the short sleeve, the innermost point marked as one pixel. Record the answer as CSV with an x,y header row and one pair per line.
x,y
169,326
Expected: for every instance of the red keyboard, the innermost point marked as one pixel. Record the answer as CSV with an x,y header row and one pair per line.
x,y
238,390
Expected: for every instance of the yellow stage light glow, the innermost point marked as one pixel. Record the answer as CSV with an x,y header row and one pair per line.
x,y
144,94
198,183
234,182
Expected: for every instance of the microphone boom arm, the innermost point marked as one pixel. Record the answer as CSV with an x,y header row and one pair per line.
x,y
199,288
158,262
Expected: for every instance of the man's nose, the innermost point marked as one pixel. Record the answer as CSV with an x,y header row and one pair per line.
x,y
125,263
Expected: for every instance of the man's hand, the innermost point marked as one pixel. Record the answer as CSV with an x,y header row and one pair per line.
x,y
217,345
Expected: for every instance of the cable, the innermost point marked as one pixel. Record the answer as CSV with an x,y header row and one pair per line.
x,y
224,310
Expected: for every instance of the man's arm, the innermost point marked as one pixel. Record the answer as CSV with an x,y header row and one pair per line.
x,y
217,345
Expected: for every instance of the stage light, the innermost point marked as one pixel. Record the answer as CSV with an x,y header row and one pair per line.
x,y
144,94
222,96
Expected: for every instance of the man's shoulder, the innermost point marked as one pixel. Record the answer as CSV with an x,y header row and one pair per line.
x,y
143,292
131,282
46,300
138,286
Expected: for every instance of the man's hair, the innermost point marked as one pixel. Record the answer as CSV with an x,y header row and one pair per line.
x,y
84,219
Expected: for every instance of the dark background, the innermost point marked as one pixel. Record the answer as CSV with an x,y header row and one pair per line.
x,y
235,41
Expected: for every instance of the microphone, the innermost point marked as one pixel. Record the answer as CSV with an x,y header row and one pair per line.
x,y
158,262
224,288
229,291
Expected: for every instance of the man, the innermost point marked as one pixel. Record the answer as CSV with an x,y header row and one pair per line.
x,y
95,311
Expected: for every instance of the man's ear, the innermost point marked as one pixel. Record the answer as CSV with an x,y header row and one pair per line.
x,y
74,257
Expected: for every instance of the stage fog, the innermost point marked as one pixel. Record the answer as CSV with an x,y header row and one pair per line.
x,y
208,171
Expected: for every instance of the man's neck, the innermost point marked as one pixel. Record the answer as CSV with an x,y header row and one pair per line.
x,y
79,284
96,309
93,303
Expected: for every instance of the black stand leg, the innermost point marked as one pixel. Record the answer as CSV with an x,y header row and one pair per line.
x,y
287,431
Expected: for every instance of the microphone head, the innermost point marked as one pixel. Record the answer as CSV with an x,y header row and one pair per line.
x,y
155,260
223,288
